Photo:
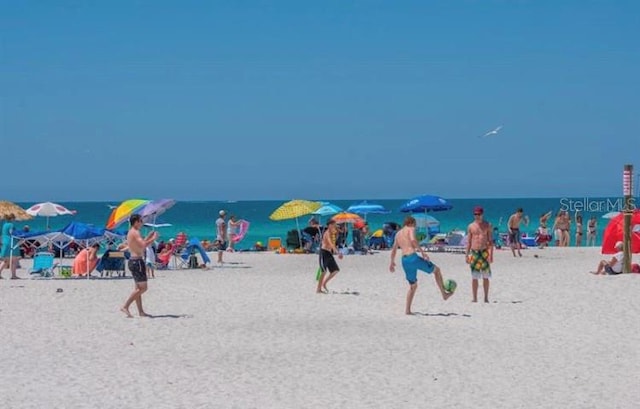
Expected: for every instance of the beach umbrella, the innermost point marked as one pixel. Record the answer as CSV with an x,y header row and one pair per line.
x,y
122,212
426,221
346,217
7,208
327,209
426,203
366,208
614,233
294,209
155,208
49,209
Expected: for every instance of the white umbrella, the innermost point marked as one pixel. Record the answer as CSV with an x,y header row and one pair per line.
x,y
49,209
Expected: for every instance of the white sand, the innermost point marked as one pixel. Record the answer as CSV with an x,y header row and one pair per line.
x,y
255,335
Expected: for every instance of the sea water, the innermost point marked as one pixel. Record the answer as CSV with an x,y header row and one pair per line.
x,y
197,218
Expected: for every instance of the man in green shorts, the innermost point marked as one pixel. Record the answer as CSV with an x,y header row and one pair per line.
x,y
479,252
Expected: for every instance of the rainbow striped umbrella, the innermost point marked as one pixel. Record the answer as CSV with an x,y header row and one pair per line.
x,y
125,209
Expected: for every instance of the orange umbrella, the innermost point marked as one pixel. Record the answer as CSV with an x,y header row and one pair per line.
x,y
345,217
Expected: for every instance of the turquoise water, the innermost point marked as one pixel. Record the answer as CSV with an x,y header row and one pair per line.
x,y
196,218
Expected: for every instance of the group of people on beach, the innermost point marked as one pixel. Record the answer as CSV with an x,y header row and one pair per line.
x,y
479,256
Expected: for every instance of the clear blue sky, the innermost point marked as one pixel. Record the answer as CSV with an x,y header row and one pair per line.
x,y
329,99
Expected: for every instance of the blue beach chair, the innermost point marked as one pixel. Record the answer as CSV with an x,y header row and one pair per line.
x,y
43,265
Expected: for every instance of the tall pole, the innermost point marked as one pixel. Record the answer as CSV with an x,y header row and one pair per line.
x,y
627,190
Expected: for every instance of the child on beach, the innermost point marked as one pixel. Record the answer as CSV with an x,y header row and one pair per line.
x,y
327,262
405,239
479,253
150,260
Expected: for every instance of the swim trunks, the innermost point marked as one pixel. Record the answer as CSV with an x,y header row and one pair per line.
x,y
412,263
479,263
514,236
327,262
138,270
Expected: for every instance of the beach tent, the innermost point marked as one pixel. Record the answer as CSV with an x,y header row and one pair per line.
x,y
82,233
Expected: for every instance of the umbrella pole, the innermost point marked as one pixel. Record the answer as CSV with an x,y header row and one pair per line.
x,y
299,233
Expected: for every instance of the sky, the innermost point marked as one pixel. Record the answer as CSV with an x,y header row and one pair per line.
x,y
261,100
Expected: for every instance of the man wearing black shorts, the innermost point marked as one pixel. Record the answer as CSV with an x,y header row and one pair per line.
x,y
137,246
327,262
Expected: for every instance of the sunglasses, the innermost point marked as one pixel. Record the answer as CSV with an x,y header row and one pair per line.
x,y
477,214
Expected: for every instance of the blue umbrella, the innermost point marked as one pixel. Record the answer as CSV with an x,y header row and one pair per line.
x,y
327,209
426,203
366,208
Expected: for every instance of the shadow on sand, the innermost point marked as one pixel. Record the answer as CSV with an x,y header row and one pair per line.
x,y
442,314
170,316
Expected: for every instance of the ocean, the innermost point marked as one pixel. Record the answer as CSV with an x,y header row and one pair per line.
x,y
197,218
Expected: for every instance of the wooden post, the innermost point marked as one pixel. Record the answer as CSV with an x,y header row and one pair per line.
x,y
627,190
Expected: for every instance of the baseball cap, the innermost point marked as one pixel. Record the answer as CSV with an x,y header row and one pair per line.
x,y
222,212
478,210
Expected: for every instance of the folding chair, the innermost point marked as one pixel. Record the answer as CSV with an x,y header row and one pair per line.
x,y
274,243
43,265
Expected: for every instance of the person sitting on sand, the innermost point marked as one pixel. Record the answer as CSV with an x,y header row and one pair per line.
x,y
85,261
405,240
613,266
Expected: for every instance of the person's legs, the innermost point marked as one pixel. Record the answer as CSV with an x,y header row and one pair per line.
x,y
440,283
601,266
474,289
485,287
320,282
130,300
329,277
142,288
13,267
410,293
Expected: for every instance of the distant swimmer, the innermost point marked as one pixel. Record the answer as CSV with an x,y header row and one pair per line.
x,y
494,132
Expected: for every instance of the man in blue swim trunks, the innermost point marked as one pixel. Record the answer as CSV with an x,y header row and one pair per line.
x,y
405,239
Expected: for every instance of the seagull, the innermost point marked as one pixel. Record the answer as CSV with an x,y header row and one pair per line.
x,y
494,132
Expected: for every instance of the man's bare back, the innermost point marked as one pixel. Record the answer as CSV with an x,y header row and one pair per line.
x,y
406,240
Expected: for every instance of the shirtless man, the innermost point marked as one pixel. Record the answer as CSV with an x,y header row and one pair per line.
x,y
514,231
405,239
137,245
479,254
327,262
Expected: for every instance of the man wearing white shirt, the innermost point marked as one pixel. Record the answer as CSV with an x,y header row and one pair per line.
x,y
613,266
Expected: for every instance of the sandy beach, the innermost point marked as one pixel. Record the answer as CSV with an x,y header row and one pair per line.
x,y
253,334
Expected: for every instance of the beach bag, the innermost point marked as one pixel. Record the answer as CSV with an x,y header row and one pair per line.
x,y
635,268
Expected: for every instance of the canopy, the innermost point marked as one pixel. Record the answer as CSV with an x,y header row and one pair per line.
x,y
426,203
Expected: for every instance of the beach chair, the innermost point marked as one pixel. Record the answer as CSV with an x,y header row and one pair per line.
x,y
112,262
43,265
274,243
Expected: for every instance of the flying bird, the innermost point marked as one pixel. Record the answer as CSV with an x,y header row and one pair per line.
x,y
494,132
111,206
